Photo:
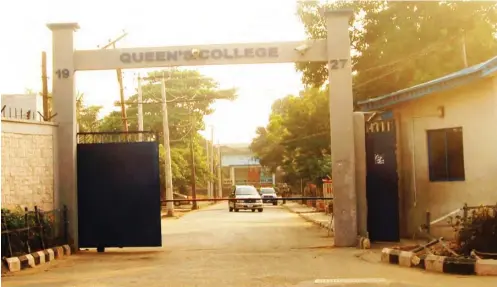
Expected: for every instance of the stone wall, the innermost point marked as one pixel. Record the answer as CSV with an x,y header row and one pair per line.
x,y
28,173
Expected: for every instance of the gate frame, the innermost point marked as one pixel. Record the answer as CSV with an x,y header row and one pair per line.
x,y
335,51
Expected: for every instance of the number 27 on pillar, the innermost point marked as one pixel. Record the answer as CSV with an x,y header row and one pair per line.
x,y
337,64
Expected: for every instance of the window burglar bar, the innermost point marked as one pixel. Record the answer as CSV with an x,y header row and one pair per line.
x,y
15,113
116,137
446,154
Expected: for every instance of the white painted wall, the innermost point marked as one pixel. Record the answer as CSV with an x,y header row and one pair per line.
x,y
472,107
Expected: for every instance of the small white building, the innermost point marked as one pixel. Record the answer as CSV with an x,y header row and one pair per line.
x,y
446,144
241,167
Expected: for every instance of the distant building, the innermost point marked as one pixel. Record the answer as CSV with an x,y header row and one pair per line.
x,y
239,166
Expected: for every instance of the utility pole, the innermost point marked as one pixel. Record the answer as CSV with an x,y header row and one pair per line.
x,y
168,176
192,165
464,55
219,173
44,81
140,107
211,164
207,152
120,81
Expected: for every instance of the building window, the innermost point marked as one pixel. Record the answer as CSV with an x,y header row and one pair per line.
x,y
445,154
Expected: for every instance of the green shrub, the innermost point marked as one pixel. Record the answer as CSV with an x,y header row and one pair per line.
x,y
478,231
15,219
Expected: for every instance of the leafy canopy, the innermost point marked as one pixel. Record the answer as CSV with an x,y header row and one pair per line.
x,y
403,43
297,137
189,98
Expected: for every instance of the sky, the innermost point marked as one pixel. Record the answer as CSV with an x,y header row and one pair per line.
x,y
157,23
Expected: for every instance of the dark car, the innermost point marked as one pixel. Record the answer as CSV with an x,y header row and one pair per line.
x,y
185,198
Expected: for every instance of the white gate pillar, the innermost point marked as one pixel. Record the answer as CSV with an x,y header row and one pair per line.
x,y
64,104
342,127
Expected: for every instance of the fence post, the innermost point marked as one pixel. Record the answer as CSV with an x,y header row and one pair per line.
x,y
26,224
7,234
428,220
66,225
38,222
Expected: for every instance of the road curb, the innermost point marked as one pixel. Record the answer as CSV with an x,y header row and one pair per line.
x,y
305,216
163,215
440,264
33,259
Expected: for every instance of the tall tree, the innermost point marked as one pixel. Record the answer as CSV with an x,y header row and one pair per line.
x,y
297,137
189,96
400,44
87,116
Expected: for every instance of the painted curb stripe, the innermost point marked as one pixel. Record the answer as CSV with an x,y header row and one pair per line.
x,y
393,256
385,255
24,262
51,255
14,264
484,267
421,264
41,254
37,258
405,259
460,266
47,255
441,264
31,260
67,249
59,252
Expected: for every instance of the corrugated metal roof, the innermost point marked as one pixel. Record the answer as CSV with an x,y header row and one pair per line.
x,y
449,81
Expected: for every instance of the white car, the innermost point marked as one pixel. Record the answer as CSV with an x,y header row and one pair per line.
x,y
245,197
269,195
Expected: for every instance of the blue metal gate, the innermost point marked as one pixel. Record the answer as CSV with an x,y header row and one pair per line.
x,y
118,190
382,181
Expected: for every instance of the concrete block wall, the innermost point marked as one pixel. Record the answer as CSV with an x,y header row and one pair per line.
x,y
28,170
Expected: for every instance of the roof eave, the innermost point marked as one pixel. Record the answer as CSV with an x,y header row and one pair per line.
x,y
398,98
487,69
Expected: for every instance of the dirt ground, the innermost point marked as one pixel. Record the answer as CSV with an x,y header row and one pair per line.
x,y
213,247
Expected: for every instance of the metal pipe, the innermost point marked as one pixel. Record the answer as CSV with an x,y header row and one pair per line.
x,y
445,216
223,199
413,154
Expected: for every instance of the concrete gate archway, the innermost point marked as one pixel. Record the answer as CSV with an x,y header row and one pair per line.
x,y
335,51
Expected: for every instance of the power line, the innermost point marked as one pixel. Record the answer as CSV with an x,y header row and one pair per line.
x,y
412,56
185,135
406,60
303,138
178,101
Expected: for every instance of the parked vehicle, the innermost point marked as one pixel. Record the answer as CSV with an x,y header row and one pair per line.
x,y
185,198
245,197
269,195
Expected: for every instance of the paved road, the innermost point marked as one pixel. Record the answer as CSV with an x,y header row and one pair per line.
x,y
212,247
